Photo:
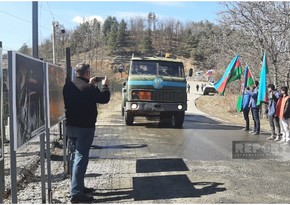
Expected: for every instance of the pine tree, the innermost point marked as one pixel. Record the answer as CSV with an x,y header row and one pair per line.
x,y
122,35
25,49
107,27
112,38
147,44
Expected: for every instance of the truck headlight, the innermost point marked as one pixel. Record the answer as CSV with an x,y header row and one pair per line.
x,y
179,107
134,106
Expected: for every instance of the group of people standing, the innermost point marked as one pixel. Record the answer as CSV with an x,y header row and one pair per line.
x,y
277,108
197,87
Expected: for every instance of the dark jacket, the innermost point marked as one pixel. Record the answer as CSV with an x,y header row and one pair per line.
x,y
286,112
80,99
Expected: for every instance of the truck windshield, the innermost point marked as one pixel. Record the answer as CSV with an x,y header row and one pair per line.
x,y
144,68
171,69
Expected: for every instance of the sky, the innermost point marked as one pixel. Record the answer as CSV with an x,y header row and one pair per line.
x,y
16,16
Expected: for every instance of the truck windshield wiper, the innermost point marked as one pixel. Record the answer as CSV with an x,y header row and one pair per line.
x,y
140,74
167,74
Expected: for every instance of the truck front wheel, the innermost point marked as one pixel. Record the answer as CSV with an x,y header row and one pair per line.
x,y
178,119
123,110
129,118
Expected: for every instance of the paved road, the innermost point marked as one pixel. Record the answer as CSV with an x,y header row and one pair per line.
x,y
202,137
150,163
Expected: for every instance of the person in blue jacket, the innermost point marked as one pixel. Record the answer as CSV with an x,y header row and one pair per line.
x,y
273,97
255,109
246,109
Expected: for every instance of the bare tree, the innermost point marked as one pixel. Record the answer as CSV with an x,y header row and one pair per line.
x,y
266,24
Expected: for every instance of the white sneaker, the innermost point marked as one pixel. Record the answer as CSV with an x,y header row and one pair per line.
x,y
272,137
277,138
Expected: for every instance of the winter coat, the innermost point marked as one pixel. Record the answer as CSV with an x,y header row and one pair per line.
x,y
273,98
254,97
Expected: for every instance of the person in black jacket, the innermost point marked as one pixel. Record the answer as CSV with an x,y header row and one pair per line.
x,y
80,99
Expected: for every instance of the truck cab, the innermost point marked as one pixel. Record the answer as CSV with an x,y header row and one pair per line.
x,y
155,88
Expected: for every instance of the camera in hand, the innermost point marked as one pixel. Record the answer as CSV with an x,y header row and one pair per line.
x,y
99,79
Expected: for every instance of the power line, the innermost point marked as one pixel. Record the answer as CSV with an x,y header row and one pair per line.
x,y
50,11
55,15
22,19
40,33
15,16
6,49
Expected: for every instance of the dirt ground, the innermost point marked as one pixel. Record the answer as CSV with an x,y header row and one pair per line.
x,y
221,107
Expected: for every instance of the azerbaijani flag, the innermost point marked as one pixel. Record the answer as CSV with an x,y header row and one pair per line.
x,y
240,103
247,81
209,72
232,73
262,92
248,78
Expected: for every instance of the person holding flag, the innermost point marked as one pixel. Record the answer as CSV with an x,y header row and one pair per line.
x,y
255,108
246,109
259,95
244,98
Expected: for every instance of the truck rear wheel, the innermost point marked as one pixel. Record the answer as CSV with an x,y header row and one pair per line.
x,y
178,119
129,118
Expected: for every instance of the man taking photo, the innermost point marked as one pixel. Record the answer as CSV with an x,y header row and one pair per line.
x,y
80,98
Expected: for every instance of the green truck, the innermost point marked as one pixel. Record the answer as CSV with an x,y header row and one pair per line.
x,y
155,88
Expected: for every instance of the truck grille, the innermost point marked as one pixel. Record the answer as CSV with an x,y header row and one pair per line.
x,y
167,96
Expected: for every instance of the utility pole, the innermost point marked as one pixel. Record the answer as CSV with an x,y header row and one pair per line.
x,y
63,48
35,29
55,31
2,172
54,25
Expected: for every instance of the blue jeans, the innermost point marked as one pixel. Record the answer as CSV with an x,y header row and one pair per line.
x,y
246,118
81,140
274,122
256,118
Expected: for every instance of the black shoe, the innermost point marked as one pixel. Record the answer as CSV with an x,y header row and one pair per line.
x,y
245,129
256,133
81,199
88,190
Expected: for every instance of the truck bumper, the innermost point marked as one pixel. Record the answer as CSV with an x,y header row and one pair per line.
x,y
154,108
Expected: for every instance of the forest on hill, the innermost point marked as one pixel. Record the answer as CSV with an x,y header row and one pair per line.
x,y
244,28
